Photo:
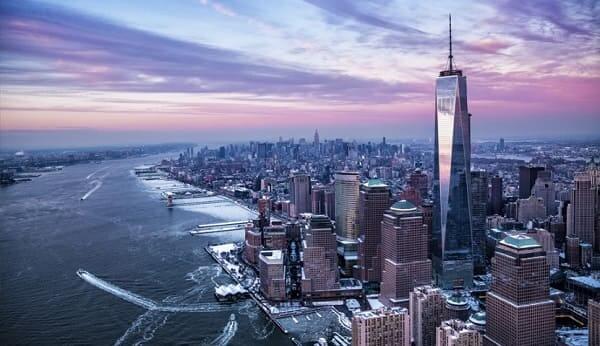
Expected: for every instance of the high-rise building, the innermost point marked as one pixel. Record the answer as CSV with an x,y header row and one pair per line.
x,y
479,195
519,310
385,326
457,333
594,322
316,138
330,203
300,190
530,208
320,271
427,209
497,195
419,182
272,274
318,200
544,188
405,264
527,177
546,240
347,185
572,251
582,203
374,200
427,311
453,255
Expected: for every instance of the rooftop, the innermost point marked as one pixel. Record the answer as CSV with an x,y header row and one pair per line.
x,y
519,241
375,183
272,256
586,281
403,206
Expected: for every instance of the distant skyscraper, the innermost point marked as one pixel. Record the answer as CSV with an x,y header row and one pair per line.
x,y
501,145
320,270
347,186
527,177
381,327
457,333
530,208
582,203
374,200
318,200
300,190
594,322
497,195
453,255
419,181
519,310
404,253
479,195
427,311
330,203
544,188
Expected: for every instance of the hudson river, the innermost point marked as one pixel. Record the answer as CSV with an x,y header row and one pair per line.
x,y
123,234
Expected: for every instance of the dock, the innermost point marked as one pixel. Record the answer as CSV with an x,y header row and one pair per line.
x,y
219,227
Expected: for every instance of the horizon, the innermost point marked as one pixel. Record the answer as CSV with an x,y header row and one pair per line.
x,y
85,74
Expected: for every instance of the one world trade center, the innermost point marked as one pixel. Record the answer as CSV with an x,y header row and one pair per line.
x,y
452,237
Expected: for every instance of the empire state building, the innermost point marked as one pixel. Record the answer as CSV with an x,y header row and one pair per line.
x,y
452,246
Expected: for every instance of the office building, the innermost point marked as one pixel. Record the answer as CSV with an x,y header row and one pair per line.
x,y
583,209
300,190
347,186
385,326
527,178
546,240
594,322
405,264
330,203
531,208
497,197
419,182
453,250
572,252
374,200
544,188
519,310
427,311
479,201
272,274
320,270
318,200
457,333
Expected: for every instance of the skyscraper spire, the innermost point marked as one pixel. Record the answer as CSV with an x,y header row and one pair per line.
x,y
450,68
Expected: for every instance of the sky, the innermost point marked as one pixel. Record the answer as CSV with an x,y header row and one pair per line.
x,y
79,73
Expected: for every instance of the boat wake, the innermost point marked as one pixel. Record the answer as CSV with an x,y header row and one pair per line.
x,y
228,332
89,193
147,303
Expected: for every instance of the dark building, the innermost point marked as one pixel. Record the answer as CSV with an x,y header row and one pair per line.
x,y
519,310
497,199
419,182
374,200
527,177
427,209
479,198
318,200
300,191
405,264
330,203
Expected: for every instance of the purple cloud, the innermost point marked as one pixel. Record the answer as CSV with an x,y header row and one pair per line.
x,y
86,52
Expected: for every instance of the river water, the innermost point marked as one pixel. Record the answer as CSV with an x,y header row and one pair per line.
x,y
123,234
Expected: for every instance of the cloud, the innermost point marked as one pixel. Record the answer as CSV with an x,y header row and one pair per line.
x,y
486,46
86,52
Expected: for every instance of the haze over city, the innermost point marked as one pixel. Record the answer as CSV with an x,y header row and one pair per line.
x,y
83,73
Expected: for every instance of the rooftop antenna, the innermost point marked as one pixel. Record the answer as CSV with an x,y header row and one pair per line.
x,y
450,68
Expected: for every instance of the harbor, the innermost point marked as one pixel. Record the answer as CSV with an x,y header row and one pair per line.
x,y
292,318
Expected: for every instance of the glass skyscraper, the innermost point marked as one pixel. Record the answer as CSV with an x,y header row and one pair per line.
x,y
452,232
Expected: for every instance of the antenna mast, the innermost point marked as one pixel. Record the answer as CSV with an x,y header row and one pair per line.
x,y
450,68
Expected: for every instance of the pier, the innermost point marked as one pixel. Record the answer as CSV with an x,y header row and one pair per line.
x,y
219,227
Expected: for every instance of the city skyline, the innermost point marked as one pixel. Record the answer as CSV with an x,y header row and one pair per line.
x,y
130,73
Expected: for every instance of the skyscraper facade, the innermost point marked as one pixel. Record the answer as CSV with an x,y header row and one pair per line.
x,y
453,253
404,253
582,203
594,322
479,195
320,271
544,188
386,326
347,185
427,311
519,310
374,200
527,178
497,195
300,191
